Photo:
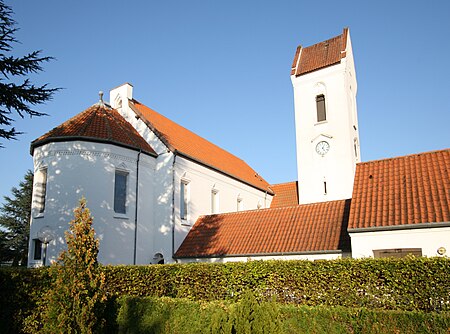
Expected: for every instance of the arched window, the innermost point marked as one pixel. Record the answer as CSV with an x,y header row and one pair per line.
x,y
320,105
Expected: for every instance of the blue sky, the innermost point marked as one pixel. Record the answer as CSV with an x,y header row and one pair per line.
x,y
221,69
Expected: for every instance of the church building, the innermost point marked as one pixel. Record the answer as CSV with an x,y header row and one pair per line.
x,y
160,193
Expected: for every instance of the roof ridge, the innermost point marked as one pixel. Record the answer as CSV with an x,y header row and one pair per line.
x,y
282,183
404,156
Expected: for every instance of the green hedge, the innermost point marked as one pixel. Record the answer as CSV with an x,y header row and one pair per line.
x,y
402,284
167,315
410,284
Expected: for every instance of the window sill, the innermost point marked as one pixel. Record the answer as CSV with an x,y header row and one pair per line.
x,y
185,222
39,215
320,123
120,215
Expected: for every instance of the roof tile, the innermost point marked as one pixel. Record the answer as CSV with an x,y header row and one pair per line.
x,y
286,194
97,123
301,228
406,190
182,141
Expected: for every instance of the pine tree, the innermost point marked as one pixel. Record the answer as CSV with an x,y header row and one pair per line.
x,y
17,93
75,302
15,222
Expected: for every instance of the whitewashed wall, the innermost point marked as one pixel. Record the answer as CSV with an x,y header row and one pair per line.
x,y
169,231
79,168
428,239
306,256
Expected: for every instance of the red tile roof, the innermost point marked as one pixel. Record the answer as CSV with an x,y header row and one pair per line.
x,y
98,123
407,190
186,143
286,194
314,227
319,55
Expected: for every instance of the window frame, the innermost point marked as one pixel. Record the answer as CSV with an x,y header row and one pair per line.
x,y
37,249
321,108
40,190
123,201
184,199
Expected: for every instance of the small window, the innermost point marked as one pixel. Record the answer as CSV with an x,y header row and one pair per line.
x,y
120,191
324,187
37,246
397,253
321,112
40,188
214,201
184,199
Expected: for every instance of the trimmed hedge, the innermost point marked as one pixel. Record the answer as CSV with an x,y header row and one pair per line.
x,y
167,315
402,284
409,284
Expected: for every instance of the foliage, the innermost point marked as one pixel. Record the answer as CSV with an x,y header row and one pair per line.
x,y
402,284
167,315
410,284
75,302
17,94
15,222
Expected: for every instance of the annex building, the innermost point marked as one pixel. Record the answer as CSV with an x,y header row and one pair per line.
x,y
160,193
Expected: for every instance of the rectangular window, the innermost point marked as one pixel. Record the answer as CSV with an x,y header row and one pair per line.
x,y
214,201
399,252
321,112
120,191
184,200
40,188
37,246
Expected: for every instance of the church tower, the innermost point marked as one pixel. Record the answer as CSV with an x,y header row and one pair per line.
x,y
324,80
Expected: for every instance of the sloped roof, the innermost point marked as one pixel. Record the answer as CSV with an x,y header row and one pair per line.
x,y
401,191
286,194
188,144
319,55
98,123
314,227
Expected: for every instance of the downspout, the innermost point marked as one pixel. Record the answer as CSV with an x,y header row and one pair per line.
x,y
173,205
136,206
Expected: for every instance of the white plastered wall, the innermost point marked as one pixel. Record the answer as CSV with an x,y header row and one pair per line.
x,y
78,168
428,239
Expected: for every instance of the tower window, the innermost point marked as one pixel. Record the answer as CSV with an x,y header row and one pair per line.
x,y
324,187
321,112
120,191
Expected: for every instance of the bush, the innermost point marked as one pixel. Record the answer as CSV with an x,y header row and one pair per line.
x,y
167,315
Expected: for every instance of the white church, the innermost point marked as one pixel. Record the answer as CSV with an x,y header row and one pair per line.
x,y
160,193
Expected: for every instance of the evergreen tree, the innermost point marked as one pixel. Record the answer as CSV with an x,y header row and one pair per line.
x,y
75,303
15,222
17,93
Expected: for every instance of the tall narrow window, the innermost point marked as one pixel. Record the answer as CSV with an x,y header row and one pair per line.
x,y
324,187
321,112
184,199
120,191
240,204
37,245
214,201
40,189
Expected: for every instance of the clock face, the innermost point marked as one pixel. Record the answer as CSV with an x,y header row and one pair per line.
x,y
322,148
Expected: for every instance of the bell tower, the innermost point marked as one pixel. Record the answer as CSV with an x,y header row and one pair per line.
x,y
324,80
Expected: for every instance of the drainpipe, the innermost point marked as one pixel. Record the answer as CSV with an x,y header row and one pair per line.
x,y
136,207
173,204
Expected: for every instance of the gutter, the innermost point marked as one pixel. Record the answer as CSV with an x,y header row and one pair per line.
x,y
399,227
338,251
136,206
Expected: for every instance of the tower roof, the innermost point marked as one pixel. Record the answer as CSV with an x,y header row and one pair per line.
x,y
99,123
407,190
320,55
308,228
